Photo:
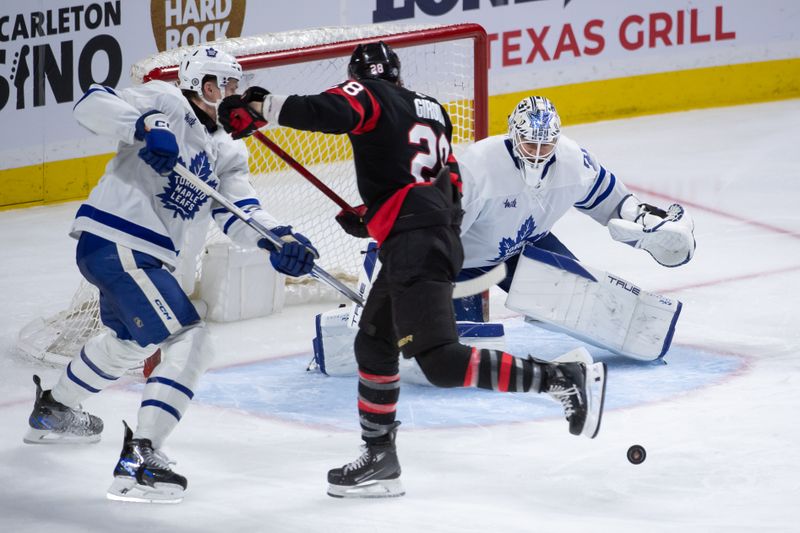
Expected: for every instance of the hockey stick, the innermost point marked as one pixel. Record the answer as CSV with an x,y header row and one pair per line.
x,y
481,283
461,289
316,271
303,171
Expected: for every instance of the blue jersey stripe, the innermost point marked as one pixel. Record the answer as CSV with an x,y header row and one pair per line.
x,y
246,201
229,223
547,166
94,367
93,90
174,384
162,405
605,194
79,381
239,203
125,226
596,186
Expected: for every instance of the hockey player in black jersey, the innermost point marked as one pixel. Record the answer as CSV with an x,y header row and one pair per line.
x,y
409,181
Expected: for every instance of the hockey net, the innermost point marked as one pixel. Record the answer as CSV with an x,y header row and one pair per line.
x,y
447,62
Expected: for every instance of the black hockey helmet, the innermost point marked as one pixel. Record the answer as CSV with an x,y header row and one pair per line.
x,y
374,60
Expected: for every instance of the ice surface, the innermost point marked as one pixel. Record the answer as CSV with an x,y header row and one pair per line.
x,y
718,422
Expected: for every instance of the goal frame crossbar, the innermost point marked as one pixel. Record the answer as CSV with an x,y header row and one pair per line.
x,y
397,40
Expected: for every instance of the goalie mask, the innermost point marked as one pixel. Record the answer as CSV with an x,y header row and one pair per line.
x,y
534,128
208,61
374,60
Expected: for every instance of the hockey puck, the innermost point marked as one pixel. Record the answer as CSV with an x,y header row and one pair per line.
x,y
636,454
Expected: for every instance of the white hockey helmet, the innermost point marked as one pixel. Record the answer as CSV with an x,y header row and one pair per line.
x,y
534,128
207,61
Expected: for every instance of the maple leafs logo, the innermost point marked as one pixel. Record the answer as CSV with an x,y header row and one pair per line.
x,y
183,198
510,246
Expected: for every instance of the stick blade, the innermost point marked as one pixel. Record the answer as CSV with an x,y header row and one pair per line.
x,y
481,283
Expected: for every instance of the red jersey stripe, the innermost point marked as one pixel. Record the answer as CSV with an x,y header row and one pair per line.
x,y
354,103
372,121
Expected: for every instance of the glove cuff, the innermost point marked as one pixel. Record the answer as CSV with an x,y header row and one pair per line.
x,y
151,119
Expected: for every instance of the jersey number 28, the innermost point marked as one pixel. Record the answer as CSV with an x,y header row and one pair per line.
x,y
432,155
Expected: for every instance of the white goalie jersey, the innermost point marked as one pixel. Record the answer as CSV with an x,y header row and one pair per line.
x,y
132,204
502,212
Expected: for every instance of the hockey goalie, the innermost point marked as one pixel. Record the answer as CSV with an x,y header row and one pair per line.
x,y
516,186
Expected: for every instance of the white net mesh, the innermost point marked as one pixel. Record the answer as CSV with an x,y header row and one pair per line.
x,y
443,69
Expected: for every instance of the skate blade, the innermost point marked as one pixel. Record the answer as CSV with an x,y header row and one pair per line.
x,y
46,436
128,490
595,398
385,488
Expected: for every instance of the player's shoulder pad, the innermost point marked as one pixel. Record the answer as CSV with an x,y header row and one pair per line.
x,y
168,95
491,167
489,150
569,151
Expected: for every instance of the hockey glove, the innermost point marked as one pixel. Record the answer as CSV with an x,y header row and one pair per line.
x,y
160,149
352,222
666,235
296,256
238,117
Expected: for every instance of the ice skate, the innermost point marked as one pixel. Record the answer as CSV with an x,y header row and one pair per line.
x,y
579,384
144,475
52,422
376,474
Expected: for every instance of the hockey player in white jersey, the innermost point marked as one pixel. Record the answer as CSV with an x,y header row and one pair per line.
x,y
516,187
130,232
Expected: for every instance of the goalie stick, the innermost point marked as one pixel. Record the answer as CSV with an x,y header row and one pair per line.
x,y
316,272
480,283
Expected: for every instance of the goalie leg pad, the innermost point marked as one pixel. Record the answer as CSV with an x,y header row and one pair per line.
x,y
593,305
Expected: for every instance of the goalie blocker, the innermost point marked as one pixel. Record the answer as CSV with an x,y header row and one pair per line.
x,y
592,305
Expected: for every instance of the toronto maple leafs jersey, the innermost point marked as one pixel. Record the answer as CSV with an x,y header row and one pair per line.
x,y
135,206
502,212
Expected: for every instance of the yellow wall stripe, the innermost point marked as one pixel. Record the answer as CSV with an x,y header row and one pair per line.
x,y
660,93
51,182
585,102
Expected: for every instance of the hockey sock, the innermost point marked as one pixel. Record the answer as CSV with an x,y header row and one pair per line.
x,y
377,405
500,371
102,361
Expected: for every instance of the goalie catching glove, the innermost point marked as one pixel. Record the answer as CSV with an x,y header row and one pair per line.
x,y
666,235
238,117
296,256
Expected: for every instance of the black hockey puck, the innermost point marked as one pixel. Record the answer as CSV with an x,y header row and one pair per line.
x,y
636,454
